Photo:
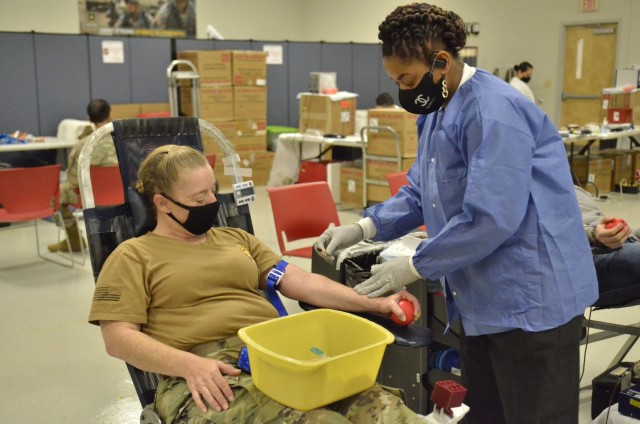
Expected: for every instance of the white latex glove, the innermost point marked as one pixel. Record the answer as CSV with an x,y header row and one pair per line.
x,y
338,238
389,276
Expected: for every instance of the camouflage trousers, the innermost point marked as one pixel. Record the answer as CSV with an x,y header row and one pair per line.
x,y
375,405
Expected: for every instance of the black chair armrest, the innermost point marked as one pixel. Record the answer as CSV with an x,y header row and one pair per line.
x,y
414,335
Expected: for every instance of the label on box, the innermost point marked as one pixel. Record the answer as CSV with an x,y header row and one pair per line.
x,y
591,178
345,116
351,186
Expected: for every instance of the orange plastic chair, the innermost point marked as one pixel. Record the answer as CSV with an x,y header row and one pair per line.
x,y
28,195
302,211
397,180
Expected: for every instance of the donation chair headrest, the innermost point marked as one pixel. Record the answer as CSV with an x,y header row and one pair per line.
x,y
141,212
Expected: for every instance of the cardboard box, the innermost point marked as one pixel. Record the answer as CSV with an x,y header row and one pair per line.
x,y
377,193
378,169
253,143
250,127
599,173
258,161
216,102
131,110
319,113
249,67
351,185
250,103
213,66
228,129
622,165
383,143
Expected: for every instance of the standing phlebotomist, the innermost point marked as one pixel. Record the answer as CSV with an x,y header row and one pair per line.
x,y
492,184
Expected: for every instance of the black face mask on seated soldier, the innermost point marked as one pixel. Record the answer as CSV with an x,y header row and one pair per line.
x,y
525,79
200,218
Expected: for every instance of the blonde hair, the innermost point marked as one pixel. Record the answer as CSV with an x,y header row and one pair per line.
x,y
162,168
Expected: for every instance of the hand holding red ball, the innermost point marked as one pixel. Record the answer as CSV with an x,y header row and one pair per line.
x,y
407,308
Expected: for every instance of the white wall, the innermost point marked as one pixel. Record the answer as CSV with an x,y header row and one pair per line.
x,y
510,30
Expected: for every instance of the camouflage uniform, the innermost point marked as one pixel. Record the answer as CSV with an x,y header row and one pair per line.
x,y
104,154
376,405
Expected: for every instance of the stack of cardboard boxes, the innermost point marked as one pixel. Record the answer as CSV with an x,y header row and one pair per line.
x,y
233,97
382,145
599,172
620,106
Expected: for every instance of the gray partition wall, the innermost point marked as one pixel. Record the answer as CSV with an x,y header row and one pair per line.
x,y
19,92
50,77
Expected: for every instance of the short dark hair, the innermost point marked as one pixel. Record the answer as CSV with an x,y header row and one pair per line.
x,y
523,67
98,110
384,99
414,31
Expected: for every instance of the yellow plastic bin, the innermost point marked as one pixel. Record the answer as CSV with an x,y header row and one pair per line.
x,y
314,358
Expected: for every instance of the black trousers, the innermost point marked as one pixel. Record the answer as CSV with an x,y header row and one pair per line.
x,y
518,377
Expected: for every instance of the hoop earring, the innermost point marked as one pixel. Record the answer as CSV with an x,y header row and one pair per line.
x,y
445,90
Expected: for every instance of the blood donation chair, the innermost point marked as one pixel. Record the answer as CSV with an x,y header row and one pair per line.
x,y
108,226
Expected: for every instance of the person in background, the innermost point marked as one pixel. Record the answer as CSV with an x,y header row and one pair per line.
x,y
385,100
104,154
134,17
616,253
521,80
169,302
491,182
177,14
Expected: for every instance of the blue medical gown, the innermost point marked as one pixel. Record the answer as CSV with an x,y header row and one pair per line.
x,y
491,182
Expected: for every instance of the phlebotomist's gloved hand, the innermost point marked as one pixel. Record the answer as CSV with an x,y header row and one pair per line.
x,y
389,276
335,239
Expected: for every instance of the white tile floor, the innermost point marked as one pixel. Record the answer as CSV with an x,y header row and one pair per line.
x,y
54,368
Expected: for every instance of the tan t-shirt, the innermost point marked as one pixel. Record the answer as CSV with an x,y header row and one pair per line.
x,y
184,294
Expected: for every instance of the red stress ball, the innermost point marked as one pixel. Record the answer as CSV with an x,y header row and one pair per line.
x,y
615,221
407,308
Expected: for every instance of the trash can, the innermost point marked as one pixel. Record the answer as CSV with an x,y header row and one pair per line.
x,y
273,131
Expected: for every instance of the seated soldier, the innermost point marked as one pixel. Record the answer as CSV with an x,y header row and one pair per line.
x,y
171,302
104,154
616,253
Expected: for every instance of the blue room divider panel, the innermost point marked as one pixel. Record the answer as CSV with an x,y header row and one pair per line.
x,y
303,58
18,70
186,44
150,58
338,58
110,81
277,85
366,74
63,79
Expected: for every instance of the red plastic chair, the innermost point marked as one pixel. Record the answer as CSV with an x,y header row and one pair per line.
x,y
30,194
397,180
302,211
107,185
161,114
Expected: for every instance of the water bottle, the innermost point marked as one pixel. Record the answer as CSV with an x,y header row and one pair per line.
x,y
604,128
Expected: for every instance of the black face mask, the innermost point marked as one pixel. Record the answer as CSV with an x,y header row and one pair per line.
x,y
425,98
525,79
200,218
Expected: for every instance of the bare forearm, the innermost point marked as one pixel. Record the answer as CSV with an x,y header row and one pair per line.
x,y
320,291
144,352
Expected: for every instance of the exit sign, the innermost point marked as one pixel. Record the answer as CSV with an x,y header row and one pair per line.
x,y
588,5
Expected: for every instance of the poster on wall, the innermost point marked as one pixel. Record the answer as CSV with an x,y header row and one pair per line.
x,y
159,18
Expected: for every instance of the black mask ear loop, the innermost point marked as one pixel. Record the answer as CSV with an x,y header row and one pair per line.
x,y
439,63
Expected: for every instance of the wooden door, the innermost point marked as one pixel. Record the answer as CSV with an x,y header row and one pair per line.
x,y
589,66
